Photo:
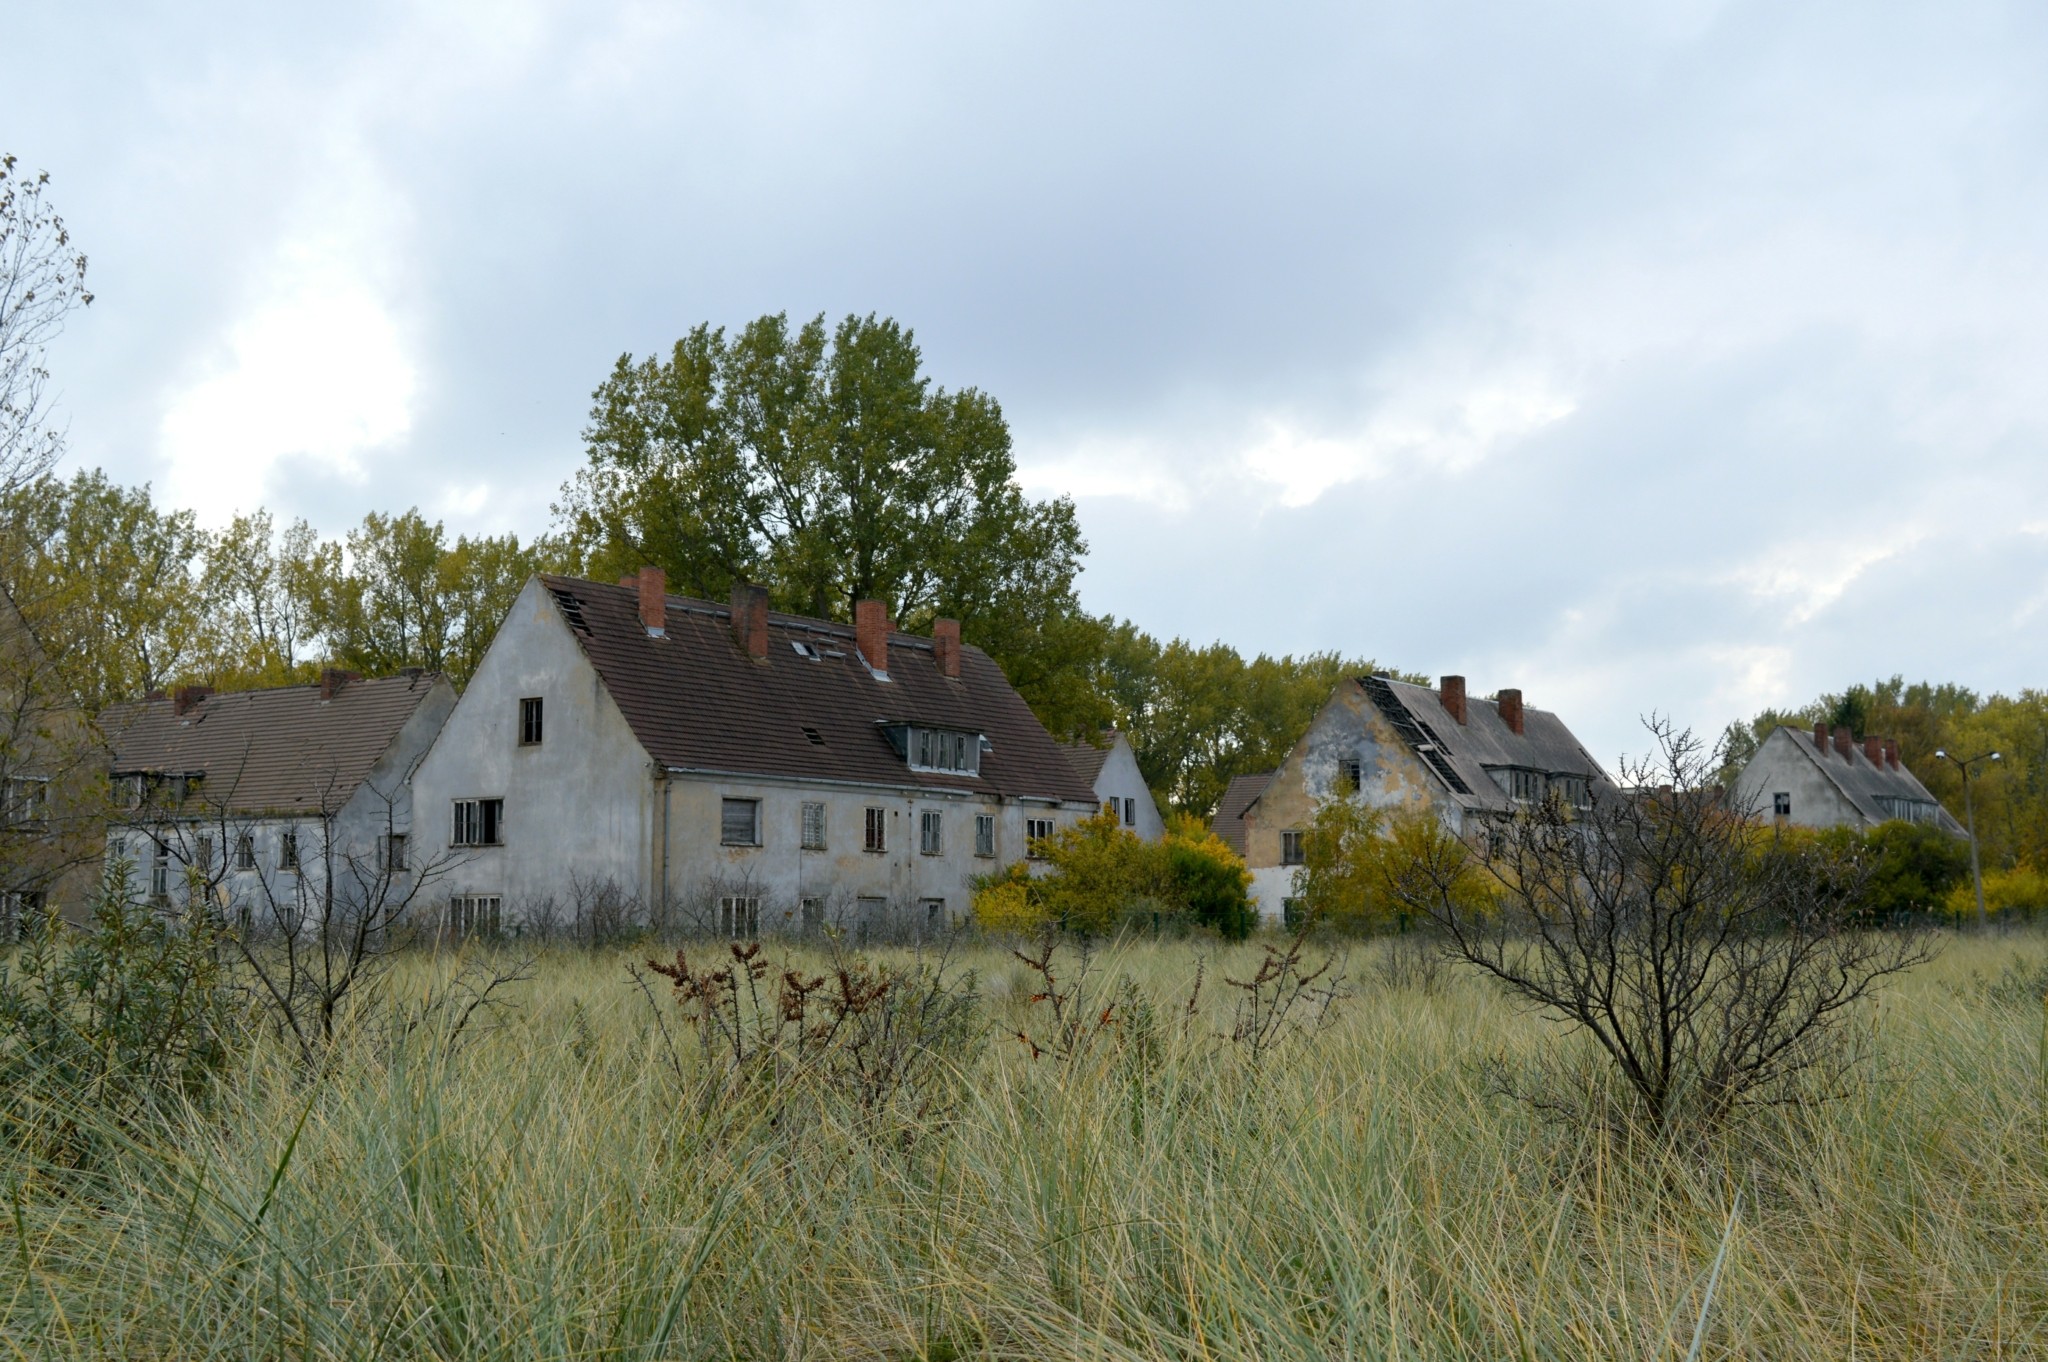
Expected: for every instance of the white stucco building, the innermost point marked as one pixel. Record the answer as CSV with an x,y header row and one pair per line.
x,y
725,769
1828,779
265,803
1110,768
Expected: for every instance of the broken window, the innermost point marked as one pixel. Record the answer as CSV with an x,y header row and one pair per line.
x,y
875,837
474,915
1781,804
1036,831
27,799
814,827
1291,849
812,913
930,832
984,834
934,914
739,917
739,822
391,852
202,852
478,823
245,851
1349,773
937,749
529,721
288,849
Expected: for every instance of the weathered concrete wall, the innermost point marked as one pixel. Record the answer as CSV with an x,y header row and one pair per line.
x,y
1780,766
1120,779
578,805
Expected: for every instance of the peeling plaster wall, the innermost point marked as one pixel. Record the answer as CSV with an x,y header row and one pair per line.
x,y
1390,777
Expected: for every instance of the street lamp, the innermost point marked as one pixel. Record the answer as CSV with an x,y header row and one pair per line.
x,y
1970,812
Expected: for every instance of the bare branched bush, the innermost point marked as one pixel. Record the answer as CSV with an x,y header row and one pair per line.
x,y
874,1036
1284,999
1712,968
1076,1013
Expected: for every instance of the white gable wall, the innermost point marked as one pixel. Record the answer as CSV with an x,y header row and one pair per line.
x,y
1120,780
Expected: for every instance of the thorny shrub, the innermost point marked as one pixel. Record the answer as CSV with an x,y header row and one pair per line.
x,y
1284,999
878,1037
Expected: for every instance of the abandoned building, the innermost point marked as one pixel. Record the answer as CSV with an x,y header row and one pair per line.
x,y
1228,823
729,769
265,803
1110,768
1829,779
52,785
1402,746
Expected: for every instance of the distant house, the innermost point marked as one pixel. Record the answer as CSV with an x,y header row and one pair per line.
x,y
1827,779
732,770
1238,796
1398,745
52,784
264,802
1110,768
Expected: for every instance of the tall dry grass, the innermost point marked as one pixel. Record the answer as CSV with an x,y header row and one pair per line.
x,y
545,1189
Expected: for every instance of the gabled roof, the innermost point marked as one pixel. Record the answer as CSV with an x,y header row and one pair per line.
x,y
283,750
697,702
1863,782
1238,796
1087,759
1484,741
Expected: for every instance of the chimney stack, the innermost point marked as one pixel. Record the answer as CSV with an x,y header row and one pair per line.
x,y
750,619
1510,703
186,698
1451,691
871,634
946,646
1820,738
653,583
332,679
1873,751
1891,753
1845,741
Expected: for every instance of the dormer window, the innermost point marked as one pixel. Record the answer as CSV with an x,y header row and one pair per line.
x,y
950,750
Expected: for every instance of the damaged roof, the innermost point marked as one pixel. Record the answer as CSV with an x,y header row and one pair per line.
x,y
697,702
1483,742
1238,796
284,750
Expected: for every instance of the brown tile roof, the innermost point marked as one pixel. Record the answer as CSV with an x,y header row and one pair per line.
x,y
1237,797
283,750
697,702
1086,758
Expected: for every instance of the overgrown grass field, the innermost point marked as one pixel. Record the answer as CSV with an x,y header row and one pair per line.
x,y
547,1184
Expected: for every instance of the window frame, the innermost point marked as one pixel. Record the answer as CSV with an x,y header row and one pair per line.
x,y
245,851
1036,832
727,804
985,834
468,915
1293,847
391,849
288,854
739,917
875,829
811,827
931,832
485,825
532,716
1781,803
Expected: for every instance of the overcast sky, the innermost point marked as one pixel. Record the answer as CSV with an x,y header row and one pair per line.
x,y
1689,357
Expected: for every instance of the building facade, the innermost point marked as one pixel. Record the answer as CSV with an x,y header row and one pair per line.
x,y
1830,779
1110,768
272,804
731,770
1396,745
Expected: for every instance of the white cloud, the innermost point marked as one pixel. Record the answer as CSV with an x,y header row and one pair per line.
x,y
1807,577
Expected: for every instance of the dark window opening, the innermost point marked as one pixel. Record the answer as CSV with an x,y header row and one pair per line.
x,y
875,836
529,722
1291,852
479,823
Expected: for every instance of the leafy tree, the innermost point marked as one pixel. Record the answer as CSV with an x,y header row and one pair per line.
x,y
263,595
42,278
1205,879
831,469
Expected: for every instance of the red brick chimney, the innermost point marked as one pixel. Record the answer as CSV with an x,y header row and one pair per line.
x,y
750,619
946,646
1451,691
1510,703
186,698
1891,753
1873,751
1820,738
1845,741
332,679
871,634
653,583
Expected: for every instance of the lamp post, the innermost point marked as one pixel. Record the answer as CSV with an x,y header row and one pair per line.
x,y
1970,812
